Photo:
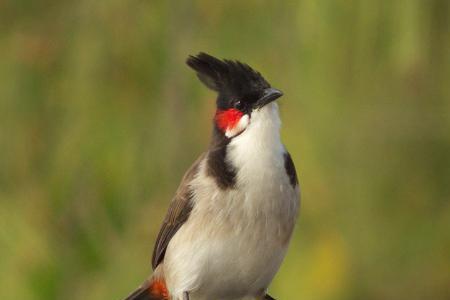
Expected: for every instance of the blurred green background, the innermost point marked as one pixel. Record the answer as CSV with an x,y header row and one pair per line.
x,y
100,117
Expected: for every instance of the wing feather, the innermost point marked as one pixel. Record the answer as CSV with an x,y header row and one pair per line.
x,y
178,213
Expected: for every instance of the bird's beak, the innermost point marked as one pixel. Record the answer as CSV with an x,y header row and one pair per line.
x,y
269,95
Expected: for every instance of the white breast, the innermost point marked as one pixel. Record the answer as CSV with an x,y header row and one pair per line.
x,y
234,241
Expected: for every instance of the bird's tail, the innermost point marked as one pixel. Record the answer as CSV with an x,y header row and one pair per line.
x,y
153,290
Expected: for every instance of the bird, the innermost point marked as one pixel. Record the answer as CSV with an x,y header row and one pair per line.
x,y
228,227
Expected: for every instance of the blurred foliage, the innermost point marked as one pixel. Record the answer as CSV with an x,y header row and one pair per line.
x,y
100,117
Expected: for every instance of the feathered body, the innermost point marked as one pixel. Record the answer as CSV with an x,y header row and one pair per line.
x,y
230,223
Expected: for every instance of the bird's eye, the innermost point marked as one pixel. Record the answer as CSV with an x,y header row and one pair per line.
x,y
239,105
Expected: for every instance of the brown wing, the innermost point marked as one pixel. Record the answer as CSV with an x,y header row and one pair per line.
x,y
178,213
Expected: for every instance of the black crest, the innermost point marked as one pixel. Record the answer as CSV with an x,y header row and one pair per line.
x,y
231,79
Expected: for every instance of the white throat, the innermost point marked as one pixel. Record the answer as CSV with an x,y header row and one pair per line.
x,y
259,146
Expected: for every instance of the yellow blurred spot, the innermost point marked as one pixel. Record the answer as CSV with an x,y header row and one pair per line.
x,y
328,266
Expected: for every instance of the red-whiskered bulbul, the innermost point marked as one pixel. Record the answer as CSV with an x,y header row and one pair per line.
x,y
229,225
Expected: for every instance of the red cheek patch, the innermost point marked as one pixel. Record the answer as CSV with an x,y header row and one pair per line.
x,y
227,119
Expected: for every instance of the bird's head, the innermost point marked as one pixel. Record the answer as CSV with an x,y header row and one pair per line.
x,y
241,91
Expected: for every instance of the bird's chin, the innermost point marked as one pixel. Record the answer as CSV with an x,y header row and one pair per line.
x,y
239,127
